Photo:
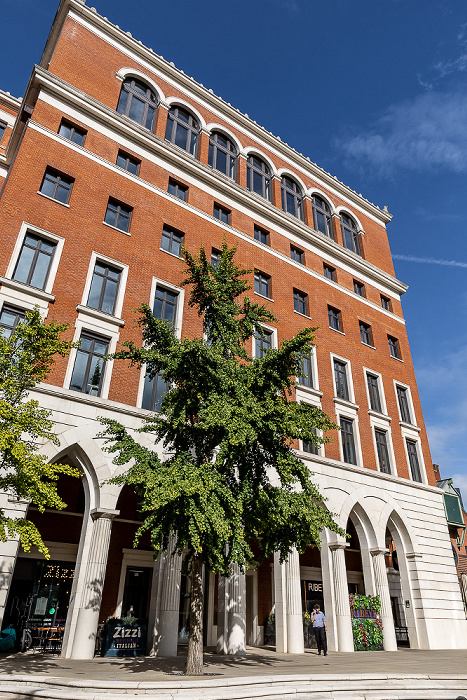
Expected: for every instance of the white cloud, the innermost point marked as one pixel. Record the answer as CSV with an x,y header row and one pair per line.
x,y
426,132
431,261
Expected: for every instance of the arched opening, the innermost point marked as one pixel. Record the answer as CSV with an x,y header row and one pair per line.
x,y
138,102
400,587
40,589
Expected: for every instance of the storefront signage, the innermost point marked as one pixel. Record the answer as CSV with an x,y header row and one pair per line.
x,y
367,614
314,586
125,640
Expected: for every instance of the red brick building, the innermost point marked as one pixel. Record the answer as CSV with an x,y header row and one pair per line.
x,y
111,160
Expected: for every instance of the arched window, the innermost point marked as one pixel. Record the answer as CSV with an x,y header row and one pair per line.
x,y
350,234
138,102
322,219
292,197
222,154
258,177
182,129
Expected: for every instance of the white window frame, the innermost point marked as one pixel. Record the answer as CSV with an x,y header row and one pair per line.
x,y
274,344
37,295
157,282
344,360
413,425
350,414
98,258
384,426
382,396
414,437
105,330
314,373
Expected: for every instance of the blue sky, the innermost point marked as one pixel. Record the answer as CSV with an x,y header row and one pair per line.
x,y
375,93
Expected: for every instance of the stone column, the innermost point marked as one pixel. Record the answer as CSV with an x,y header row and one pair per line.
x,y
382,590
84,639
341,592
165,603
280,605
295,643
231,614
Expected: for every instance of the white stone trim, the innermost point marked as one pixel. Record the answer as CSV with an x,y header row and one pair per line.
x,y
383,425
382,396
350,414
414,425
124,73
98,257
176,101
350,385
413,435
255,151
274,342
286,172
59,242
215,126
341,209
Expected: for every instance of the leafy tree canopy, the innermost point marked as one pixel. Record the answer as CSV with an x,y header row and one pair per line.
x,y
228,475
26,358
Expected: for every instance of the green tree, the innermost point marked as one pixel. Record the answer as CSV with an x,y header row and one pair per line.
x,y
230,477
26,358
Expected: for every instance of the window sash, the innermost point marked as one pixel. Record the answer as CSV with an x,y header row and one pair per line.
x,y
104,288
402,397
263,285
178,190
413,460
139,103
382,451
300,302
322,219
373,391
10,316
165,305
365,334
172,242
296,254
72,133
306,371
154,391
56,186
394,347
340,376
88,371
222,157
118,215
261,235
182,130
34,261
348,441
334,316
262,343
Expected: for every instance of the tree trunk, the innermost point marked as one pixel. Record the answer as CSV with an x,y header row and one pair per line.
x,y
194,664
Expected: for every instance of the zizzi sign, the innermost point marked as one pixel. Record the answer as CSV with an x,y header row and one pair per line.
x,y
367,614
124,633
124,640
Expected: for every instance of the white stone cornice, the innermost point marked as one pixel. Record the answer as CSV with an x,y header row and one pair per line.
x,y
8,100
128,44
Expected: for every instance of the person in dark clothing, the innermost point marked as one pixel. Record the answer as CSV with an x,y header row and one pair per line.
x,y
319,628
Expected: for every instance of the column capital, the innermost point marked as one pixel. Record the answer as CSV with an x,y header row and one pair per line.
x,y
379,550
108,513
338,545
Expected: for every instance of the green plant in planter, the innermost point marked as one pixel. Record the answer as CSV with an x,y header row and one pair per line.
x,y
367,633
127,621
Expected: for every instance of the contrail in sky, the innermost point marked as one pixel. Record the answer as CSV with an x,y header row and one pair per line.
x,y
432,261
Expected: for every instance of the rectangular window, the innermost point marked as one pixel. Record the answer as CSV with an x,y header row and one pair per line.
x,y
57,186
221,213
88,370
310,447
340,377
334,316
365,333
403,400
373,392
297,254
386,303
128,162
300,302
178,190
359,288
262,284
104,288
3,126
72,132
9,319
263,343
348,441
154,391
215,257
172,241
394,349
34,261
413,460
329,272
382,451
306,371
261,235
118,215
165,305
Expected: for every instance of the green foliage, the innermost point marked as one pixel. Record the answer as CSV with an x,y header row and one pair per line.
x,y
367,635
26,358
228,476
364,602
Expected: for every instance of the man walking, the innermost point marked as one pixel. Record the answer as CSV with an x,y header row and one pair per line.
x,y
319,628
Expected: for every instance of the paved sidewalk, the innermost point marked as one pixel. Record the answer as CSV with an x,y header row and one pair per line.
x,y
264,662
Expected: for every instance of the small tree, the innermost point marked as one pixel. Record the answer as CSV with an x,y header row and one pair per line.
x,y
230,477
26,358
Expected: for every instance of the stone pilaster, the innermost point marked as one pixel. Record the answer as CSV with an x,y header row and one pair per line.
x,y
231,613
166,602
295,644
382,590
341,597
